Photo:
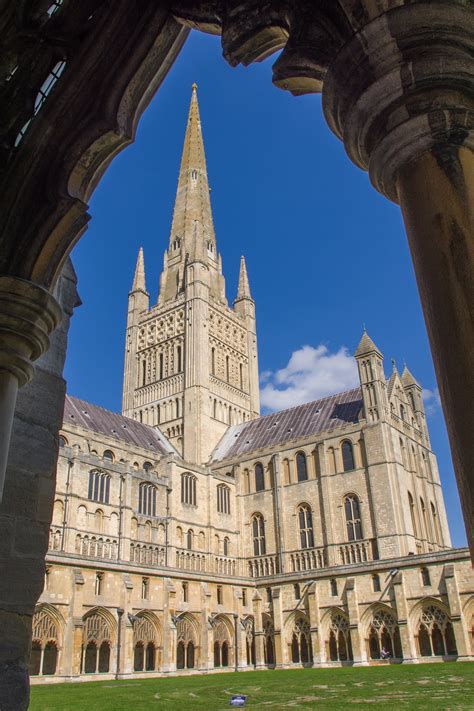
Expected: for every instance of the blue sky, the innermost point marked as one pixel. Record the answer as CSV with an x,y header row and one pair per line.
x,y
325,252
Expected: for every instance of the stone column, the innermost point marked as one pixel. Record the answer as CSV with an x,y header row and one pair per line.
x,y
406,637
259,636
281,650
358,647
459,623
315,623
400,97
28,314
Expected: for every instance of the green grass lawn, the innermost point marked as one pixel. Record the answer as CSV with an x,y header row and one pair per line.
x,y
422,686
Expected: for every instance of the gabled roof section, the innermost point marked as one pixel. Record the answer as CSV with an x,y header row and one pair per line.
x,y
329,413
123,429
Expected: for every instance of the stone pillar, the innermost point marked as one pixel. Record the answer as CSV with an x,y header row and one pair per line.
x,y
281,650
406,635
169,628
401,100
358,646
28,314
315,623
460,627
259,636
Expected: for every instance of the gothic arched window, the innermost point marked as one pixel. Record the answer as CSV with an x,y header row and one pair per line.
x,y
305,519
147,499
259,477
348,462
353,521
189,539
434,516
258,534
301,466
411,504
188,489
223,499
109,455
99,487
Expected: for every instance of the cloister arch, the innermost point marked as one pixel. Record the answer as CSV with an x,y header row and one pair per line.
x,y
381,632
187,641
98,639
298,638
147,642
223,641
433,629
337,635
47,636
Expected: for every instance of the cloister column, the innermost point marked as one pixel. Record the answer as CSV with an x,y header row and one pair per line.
x,y
406,635
460,628
281,647
358,647
315,623
400,95
259,635
28,315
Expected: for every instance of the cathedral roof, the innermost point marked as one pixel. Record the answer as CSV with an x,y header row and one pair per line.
x,y
329,413
95,418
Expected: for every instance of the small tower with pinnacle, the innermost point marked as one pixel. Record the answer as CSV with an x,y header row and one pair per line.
x,y
191,360
138,305
372,378
414,393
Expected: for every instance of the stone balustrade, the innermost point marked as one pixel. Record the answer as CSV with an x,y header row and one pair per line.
x,y
357,551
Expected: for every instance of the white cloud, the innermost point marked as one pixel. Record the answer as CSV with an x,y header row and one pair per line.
x,y
432,401
311,373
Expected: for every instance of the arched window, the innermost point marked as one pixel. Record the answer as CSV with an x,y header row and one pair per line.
x,y
188,489
436,530
213,361
425,532
187,636
305,520
99,487
402,412
62,441
297,591
227,368
376,582
147,499
258,533
339,644
348,462
226,546
178,359
109,455
223,499
353,521
146,642
301,466
246,481
384,636
411,504
189,539
425,577
435,633
333,586
259,477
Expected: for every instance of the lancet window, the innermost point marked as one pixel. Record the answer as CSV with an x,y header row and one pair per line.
x,y
259,477
99,486
348,462
305,520
223,499
301,466
188,489
353,520
147,499
258,533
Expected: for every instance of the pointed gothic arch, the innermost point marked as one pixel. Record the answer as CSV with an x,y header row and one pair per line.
x,y
381,632
47,635
147,642
298,638
433,629
98,637
187,641
337,635
223,637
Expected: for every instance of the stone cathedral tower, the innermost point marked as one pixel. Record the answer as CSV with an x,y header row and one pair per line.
x,y
191,360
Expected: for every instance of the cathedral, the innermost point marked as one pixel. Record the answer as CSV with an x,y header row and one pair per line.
x,y
191,534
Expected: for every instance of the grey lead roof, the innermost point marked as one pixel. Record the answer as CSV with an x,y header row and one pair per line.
x,y
328,413
97,419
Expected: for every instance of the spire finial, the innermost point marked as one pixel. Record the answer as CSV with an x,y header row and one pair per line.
x,y
139,278
394,364
243,291
194,87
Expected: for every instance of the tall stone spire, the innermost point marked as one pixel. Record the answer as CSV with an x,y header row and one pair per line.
x,y
192,216
139,283
243,291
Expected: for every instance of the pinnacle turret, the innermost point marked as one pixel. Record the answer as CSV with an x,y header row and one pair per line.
x,y
139,283
408,379
243,291
366,345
